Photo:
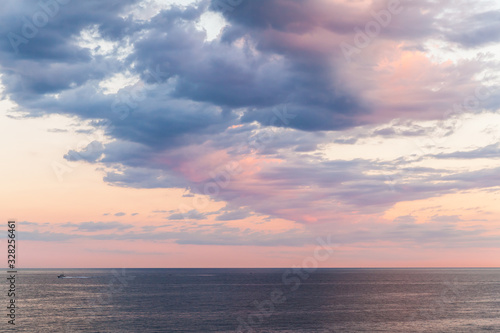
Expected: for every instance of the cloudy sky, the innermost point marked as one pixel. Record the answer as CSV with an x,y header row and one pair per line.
x,y
243,133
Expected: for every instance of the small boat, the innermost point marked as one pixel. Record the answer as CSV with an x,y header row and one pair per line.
x,y
61,276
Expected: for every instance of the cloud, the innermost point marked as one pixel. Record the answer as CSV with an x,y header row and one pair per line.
x,y
490,151
346,141
144,178
126,252
444,234
91,153
230,237
286,185
476,29
233,215
46,236
48,60
97,226
268,58
396,129
265,96
190,215
217,234
446,218
405,219
57,130
31,223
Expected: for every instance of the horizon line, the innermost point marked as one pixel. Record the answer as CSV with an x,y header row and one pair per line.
x,y
318,268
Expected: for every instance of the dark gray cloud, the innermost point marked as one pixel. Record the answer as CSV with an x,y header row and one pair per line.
x,y
223,73
185,67
216,73
48,60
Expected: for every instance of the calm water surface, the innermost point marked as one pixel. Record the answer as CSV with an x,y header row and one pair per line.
x,y
258,300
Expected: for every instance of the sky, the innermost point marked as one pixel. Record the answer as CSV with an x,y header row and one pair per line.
x,y
251,133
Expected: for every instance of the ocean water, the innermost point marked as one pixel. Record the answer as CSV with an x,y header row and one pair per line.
x,y
257,300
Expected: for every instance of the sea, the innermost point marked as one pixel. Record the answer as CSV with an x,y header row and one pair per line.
x,y
255,300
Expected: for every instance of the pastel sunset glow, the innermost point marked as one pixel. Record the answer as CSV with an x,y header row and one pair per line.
x,y
246,133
